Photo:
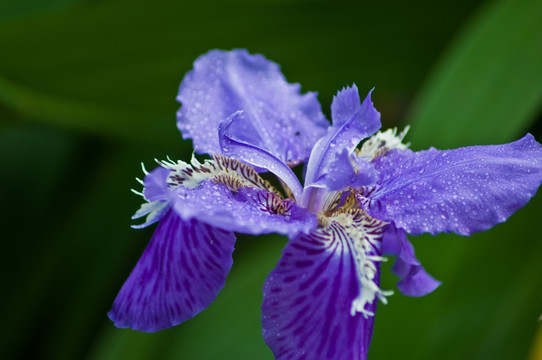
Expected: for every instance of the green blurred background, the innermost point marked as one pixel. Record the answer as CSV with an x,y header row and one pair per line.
x,y
87,93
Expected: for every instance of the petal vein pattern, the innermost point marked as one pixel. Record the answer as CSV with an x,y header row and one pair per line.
x,y
179,274
321,294
462,190
225,193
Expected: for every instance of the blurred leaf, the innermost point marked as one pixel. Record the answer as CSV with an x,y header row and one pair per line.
x,y
32,180
487,306
91,118
61,239
113,67
487,88
14,9
536,351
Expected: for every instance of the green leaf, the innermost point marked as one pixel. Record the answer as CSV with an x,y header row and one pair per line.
x,y
93,118
15,9
487,88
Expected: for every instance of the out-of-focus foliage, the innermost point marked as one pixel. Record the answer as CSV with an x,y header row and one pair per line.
x,y
489,80
87,92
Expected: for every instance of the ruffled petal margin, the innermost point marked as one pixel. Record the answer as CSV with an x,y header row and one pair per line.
x,y
179,274
352,122
464,190
281,120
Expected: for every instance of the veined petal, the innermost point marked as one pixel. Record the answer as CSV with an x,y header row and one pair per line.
x,y
281,120
463,190
246,210
247,152
311,307
230,195
352,122
179,274
415,281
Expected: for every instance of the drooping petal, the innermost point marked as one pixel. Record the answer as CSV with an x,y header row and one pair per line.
x,y
463,190
415,281
249,153
246,210
282,121
179,274
352,122
311,307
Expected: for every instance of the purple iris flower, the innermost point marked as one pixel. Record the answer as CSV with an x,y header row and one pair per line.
x,y
357,204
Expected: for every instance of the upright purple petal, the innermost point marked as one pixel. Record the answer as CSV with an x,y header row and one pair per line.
x,y
311,299
282,121
352,122
244,150
415,281
463,190
179,274
342,175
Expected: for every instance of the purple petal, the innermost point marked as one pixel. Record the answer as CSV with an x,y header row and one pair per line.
x,y
464,190
282,121
155,185
157,193
249,153
342,175
415,281
179,274
308,297
352,122
247,210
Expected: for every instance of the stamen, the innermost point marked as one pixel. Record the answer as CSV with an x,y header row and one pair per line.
x,y
220,169
365,234
137,193
380,143
144,170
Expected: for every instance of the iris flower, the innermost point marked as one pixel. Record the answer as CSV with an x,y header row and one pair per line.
x,y
357,204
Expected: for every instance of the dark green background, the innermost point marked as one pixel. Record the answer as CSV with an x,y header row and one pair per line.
x,y
87,92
